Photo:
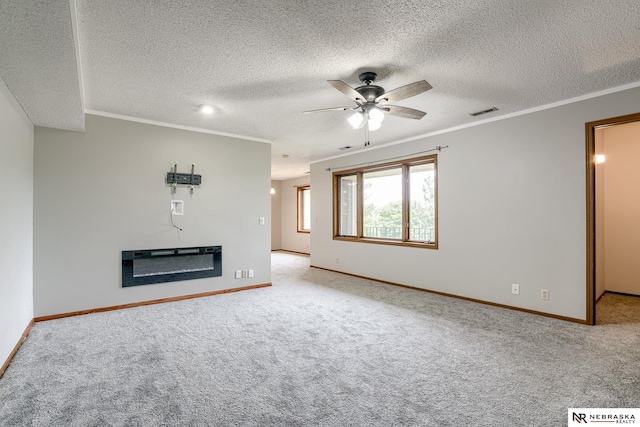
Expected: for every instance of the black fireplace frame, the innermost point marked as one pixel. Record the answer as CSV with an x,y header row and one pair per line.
x,y
129,257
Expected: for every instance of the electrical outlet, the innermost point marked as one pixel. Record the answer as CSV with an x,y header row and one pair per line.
x,y
250,273
177,207
245,274
515,289
544,294
238,274
337,260
261,220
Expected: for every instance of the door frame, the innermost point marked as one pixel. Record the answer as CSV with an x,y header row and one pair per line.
x,y
590,151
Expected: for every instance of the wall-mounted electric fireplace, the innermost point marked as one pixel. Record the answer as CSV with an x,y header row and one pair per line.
x,y
146,266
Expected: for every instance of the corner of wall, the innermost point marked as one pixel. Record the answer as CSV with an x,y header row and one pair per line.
x,y
16,251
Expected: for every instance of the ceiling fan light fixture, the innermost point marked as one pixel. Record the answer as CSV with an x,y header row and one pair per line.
x,y
376,115
373,125
356,120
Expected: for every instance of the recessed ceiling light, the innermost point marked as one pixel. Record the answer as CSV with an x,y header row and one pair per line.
x,y
205,108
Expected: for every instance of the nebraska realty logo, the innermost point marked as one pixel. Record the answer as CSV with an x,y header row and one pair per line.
x,y
581,416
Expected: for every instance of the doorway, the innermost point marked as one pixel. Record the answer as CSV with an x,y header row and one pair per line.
x,y
595,189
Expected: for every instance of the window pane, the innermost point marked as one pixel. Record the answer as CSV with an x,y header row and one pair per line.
x,y
348,187
382,203
306,209
390,203
422,203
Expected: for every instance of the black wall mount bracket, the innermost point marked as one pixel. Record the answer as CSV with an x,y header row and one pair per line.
x,y
191,179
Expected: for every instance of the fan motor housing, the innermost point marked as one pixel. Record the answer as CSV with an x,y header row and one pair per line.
x,y
370,92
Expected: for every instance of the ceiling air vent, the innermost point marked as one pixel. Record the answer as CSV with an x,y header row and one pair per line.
x,y
479,113
346,147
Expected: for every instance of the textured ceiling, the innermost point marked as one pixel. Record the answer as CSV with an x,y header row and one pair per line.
x,y
38,61
261,63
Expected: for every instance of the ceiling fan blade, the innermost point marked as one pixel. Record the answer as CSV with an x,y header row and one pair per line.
x,y
353,94
330,109
404,92
407,113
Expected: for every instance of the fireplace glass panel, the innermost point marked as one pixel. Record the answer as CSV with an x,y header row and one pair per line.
x,y
171,265
143,267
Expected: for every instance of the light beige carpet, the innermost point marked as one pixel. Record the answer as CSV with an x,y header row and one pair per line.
x,y
320,349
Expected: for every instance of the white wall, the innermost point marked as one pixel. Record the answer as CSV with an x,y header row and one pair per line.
x,y
622,208
16,223
276,213
291,239
101,192
512,209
